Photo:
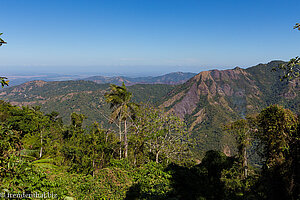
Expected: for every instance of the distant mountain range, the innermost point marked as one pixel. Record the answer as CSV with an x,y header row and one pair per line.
x,y
171,78
174,78
205,102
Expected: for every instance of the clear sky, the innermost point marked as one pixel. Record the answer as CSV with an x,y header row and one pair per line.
x,y
145,36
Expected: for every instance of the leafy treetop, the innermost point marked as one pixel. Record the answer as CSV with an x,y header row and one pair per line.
x,y
292,68
1,40
297,26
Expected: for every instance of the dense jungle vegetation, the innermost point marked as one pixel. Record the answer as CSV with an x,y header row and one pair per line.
x,y
148,158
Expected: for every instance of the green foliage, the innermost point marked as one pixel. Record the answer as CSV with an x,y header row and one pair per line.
x,y
291,70
2,79
277,126
123,110
150,182
1,40
76,162
153,93
243,131
239,179
18,174
26,178
202,181
119,99
83,97
297,26
77,120
86,152
161,134
9,146
277,132
237,186
108,183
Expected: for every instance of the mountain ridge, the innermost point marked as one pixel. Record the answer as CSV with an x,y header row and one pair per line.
x,y
173,78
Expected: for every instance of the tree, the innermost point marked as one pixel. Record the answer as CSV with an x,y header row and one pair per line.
x,y
291,161
297,26
2,79
238,179
215,162
77,120
1,40
291,70
277,131
99,147
276,128
164,135
242,130
123,110
10,146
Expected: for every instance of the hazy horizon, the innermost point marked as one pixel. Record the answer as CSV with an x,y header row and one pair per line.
x,y
141,71
109,71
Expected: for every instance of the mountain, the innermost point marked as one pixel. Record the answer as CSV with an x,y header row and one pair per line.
x,y
213,98
174,78
205,102
80,96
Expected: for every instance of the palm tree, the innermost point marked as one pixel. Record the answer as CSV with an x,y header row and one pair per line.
x,y
122,110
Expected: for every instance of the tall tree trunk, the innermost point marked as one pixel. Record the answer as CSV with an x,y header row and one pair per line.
x,y
156,156
94,162
135,159
125,138
120,132
41,151
245,162
93,167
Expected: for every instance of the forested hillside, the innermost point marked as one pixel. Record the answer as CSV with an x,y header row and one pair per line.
x,y
83,97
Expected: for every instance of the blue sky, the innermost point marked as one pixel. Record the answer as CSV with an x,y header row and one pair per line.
x,y
145,36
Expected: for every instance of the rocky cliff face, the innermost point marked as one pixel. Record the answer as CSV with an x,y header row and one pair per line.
x,y
218,88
